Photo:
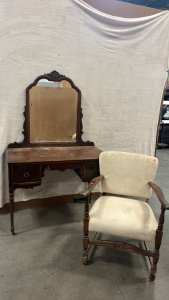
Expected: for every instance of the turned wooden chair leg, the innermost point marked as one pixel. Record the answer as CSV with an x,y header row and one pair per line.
x,y
85,253
153,270
158,239
11,202
11,198
86,231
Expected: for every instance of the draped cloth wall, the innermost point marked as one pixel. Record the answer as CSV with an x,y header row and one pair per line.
x,y
119,64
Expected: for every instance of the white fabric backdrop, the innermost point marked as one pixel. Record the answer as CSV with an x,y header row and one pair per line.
x,y
119,64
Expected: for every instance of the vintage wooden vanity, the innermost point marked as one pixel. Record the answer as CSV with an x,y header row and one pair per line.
x,y
52,136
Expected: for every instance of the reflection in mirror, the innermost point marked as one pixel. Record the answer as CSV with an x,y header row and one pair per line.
x,y
53,112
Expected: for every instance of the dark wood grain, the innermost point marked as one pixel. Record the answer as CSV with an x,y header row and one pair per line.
x,y
158,239
11,196
86,231
121,247
91,186
26,126
159,194
27,166
11,202
52,154
89,170
91,166
26,173
28,161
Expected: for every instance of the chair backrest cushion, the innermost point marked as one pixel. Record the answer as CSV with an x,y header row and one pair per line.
x,y
127,174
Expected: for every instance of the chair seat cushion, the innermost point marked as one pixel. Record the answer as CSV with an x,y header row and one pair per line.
x,y
123,217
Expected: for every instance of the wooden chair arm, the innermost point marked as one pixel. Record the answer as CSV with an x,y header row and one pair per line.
x,y
91,186
159,194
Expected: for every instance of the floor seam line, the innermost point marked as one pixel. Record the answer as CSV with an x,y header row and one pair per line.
x,y
112,279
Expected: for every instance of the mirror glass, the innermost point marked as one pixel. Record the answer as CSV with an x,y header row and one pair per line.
x,y
53,112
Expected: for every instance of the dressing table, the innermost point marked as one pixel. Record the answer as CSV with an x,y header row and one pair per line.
x,y
52,136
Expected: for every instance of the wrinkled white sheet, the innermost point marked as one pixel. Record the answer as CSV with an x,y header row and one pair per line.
x,y
119,64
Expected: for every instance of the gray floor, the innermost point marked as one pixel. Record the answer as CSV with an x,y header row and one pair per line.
x,y
43,260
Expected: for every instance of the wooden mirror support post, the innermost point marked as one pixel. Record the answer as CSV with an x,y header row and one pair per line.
x,y
28,160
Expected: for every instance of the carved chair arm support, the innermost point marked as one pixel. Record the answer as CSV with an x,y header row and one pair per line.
x,y
159,194
91,186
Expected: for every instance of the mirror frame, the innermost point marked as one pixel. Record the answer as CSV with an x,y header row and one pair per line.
x,y
56,77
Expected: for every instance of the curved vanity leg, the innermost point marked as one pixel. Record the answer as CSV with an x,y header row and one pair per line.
x,y
86,232
11,202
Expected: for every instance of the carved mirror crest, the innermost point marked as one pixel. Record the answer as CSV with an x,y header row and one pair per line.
x,y
53,114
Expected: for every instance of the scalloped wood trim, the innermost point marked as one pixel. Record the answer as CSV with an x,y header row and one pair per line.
x,y
121,247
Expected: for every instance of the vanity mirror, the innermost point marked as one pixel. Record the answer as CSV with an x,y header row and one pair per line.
x,y
53,114
52,136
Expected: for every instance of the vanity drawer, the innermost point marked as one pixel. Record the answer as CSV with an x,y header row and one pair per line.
x,y
91,170
26,173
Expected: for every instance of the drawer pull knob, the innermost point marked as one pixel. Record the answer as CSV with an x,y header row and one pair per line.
x,y
26,174
95,170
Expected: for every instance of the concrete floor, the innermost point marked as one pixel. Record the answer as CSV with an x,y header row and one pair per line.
x,y
43,260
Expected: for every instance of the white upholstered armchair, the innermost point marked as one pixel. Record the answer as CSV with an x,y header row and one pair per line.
x,y
125,174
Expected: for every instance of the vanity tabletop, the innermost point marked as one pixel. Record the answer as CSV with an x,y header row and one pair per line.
x,y
52,154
